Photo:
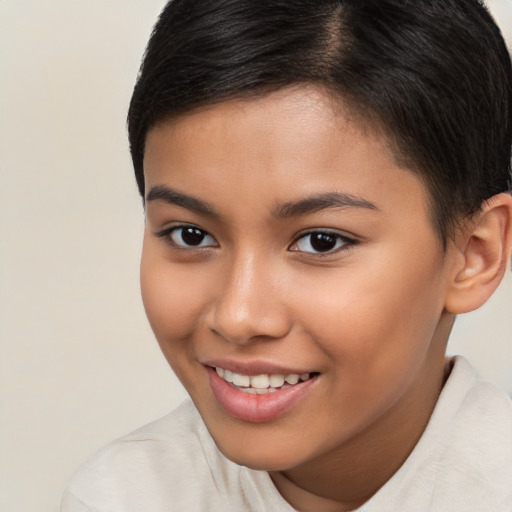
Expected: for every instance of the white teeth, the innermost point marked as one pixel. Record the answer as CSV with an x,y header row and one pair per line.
x,y
276,381
260,381
263,383
255,391
292,379
241,380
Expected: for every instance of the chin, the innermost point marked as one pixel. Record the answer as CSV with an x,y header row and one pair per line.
x,y
258,457
262,462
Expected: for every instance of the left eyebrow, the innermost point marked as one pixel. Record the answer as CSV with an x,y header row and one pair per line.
x,y
174,197
319,202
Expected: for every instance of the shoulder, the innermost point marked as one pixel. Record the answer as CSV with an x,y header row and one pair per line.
x,y
157,467
480,413
463,460
478,441
476,444
158,442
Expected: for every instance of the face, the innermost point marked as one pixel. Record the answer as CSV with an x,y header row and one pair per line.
x,y
286,250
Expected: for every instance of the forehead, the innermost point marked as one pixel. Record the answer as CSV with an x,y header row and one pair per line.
x,y
278,148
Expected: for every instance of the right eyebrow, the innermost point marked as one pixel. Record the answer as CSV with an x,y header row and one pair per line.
x,y
174,197
320,202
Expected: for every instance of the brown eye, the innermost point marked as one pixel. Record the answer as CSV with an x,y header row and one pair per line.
x,y
319,242
190,236
322,242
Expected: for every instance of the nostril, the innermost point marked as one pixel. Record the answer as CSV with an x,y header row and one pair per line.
x,y
245,322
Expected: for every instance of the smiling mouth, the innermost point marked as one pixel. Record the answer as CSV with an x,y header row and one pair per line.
x,y
258,397
262,384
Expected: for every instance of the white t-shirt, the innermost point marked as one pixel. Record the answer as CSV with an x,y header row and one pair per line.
x,y
462,463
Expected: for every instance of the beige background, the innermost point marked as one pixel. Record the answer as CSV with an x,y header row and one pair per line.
x,y
78,363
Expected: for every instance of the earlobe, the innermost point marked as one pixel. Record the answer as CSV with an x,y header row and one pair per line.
x,y
483,256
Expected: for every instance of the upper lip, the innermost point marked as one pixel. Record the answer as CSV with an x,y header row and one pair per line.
x,y
254,367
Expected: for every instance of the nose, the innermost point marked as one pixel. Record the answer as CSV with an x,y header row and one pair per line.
x,y
247,304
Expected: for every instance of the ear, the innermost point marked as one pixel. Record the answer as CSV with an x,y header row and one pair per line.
x,y
483,256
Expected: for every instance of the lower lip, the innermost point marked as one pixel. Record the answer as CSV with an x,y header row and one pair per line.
x,y
256,408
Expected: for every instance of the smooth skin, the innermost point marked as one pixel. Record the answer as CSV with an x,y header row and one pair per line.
x,y
370,313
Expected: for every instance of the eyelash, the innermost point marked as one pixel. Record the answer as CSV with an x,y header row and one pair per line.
x,y
168,232
346,242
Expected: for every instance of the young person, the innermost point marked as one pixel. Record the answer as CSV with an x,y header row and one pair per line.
x,y
326,186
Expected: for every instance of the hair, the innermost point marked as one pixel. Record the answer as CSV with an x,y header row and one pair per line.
x,y
434,75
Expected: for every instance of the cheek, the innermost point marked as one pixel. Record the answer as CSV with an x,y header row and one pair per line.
x,y
376,333
376,319
173,297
